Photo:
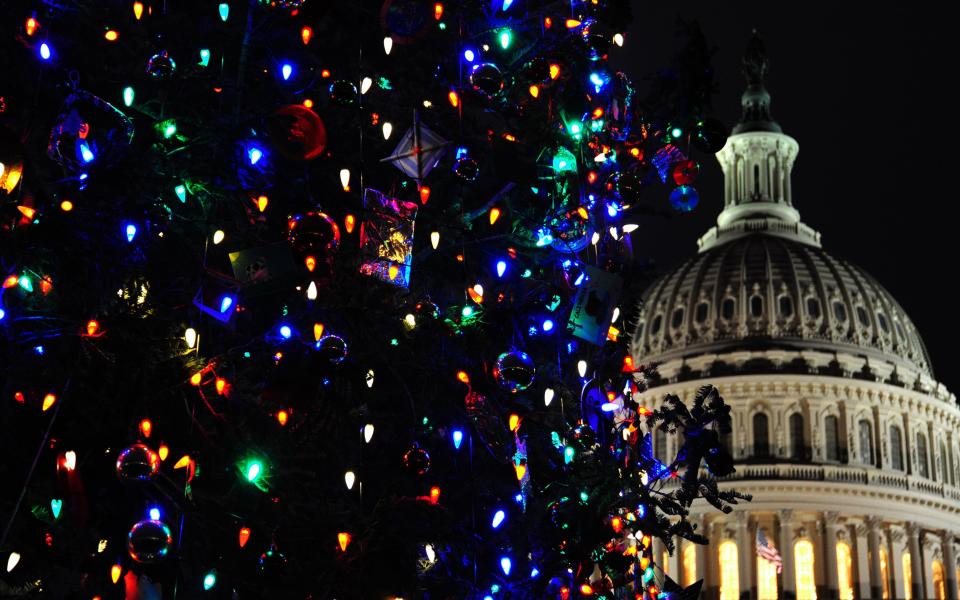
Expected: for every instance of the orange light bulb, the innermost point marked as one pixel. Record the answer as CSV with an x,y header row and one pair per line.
x,y
66,206
116,570
32,26
282,417
262,203
48,401
434,495
343,538
163,451
438,11
424,194
196,378
146,428
221,385
92,327
311,263
494,215
111,35
244,536
349,222
306,34
462,377
138,10
454,98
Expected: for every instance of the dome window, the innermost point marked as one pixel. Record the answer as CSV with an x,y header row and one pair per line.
x,y
923,468
831,426
863,317
882,319
813,308
677,319
786,307
655,327
727,308
703,309
839,311
761,435
896,448
756,306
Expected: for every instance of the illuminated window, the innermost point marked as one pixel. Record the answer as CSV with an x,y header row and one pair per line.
x,y
766,579
844,571
689,559
907,577
666,562
885,573
803,558
939,590
729,571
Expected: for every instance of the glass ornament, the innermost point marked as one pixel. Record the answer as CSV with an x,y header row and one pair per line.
x,y
272,564
161,65
416,460
297,132
487,79
466,168
343,92
426,308
514,371
149,541
709,135
313,234
685,172
137,463
332,349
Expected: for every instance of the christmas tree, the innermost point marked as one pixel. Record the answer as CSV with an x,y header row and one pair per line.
x,y
307,299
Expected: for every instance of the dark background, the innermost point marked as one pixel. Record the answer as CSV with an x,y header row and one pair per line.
x,y
867,94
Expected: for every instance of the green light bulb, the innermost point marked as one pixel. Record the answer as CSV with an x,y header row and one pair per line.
x,y
204,57
224,9
210,580
506,38
254,470
128,95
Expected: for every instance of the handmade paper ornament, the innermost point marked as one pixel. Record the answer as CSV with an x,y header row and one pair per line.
x,y
514,371
297,132
149,541
137,463
161,65
418,151
594,304
263,268
88,133
11,161
386,238
416,460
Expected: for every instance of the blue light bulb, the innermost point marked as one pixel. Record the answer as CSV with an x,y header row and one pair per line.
x,y
547,325
131,231
506,564
286,332
286,70
501,268
255,154
45,51
457,438
469,55
498,518
154,513
85,152
225,303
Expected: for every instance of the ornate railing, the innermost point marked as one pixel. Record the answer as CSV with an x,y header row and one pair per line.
x,y
858,475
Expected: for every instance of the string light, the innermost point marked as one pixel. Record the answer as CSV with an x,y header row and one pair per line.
x,y
349,478
137,13
12,561
368,430
387,45
223,9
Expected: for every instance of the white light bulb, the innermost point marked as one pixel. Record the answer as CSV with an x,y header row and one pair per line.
x,y
431,553
218,236
595,238
349,478
190,336
616,314
312,291
582,368
70,460
548,396
387,44
618,39
614,233
387,130
345,179
368,432
435,239
370,378
365,85
478,289
630,227
12,561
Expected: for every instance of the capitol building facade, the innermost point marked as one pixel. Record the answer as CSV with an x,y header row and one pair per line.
x,y
849,446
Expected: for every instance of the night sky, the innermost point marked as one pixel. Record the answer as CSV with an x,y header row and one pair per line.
x,y
862,90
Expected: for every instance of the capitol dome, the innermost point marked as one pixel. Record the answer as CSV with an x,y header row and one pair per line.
x,y
848,445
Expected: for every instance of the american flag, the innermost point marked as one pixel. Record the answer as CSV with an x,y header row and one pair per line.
x,y
767,551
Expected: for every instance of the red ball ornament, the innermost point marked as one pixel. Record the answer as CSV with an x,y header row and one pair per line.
x,y
416,460
297,132
685,172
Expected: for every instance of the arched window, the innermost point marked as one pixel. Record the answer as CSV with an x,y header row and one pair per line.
x,y
655,327
839,311
703,311
832,437
896,448
797,449
844,571
761,435
729,571
813,308
660,445
862,316
786,307
756,180
885,573
883,322
939,588
677,318
689,560
803,560
923,468
866,441
766,579
907,576
756,306
728,308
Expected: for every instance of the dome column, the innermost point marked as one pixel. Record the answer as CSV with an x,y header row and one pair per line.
x,y
916,560
746,555
788,576
831,521
949,565
873,547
